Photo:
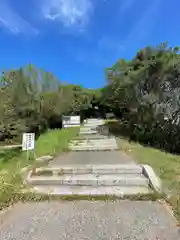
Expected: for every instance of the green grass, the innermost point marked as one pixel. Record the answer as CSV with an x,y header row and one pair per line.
x,y
166,166
55,141
52,142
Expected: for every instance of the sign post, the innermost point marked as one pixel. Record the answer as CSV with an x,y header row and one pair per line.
x,y
28,143
71,121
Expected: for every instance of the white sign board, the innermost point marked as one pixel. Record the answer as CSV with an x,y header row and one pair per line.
x,y
28,141
71,121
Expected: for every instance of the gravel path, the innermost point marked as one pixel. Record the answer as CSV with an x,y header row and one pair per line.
x,y
97,157
119,220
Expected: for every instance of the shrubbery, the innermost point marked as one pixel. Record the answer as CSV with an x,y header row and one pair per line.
x,y
146,93
32,100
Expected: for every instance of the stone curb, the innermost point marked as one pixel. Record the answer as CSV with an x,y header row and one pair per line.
x,y
94,150
87,133
100,143
93,169
154,180
120,192
91,180
103,140
91,146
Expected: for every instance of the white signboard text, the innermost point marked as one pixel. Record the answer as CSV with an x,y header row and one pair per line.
x,y
28,141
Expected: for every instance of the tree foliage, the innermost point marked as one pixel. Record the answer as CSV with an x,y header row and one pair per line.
x,y
34,100
146,93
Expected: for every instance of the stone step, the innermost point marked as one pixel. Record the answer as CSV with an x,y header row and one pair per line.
x,y
91,125
89,129
88,133
85,126
94,148
86,130
91,137
91,180
93,144
96,140
95,119
96,169
117,191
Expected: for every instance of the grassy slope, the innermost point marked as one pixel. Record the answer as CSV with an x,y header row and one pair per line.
x,y
12,161
166,166
55,141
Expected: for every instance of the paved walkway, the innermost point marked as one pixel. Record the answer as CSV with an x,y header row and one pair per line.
x,y
94,220
96,157
119,220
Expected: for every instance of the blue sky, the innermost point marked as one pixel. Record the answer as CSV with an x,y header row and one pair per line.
x,y
78,39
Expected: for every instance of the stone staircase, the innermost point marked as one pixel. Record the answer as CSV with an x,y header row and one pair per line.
x,y
92,180
94,145
97,180
89,143
90,126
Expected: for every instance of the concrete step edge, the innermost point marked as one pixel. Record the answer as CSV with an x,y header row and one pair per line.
x,y
91,191
103,140
92,142
88,181
94,150
93,145
95,166
101,169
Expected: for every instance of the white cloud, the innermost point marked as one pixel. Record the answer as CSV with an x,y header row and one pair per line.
x,y
12,21
69,12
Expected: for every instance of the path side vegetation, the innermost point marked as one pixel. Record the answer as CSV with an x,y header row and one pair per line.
x,y
143,93
52,142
